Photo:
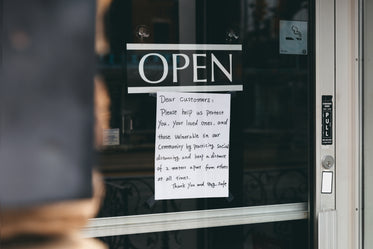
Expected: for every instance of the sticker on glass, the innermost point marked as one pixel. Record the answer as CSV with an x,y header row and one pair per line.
x,y
293,37
111,137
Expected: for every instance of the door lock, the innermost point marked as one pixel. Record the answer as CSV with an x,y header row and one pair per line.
x,y
327,161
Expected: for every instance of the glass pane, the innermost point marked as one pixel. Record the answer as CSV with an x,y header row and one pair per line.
x,y
271,134
280,235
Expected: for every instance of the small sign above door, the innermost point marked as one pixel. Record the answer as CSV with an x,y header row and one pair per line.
x,y
293,37
184,67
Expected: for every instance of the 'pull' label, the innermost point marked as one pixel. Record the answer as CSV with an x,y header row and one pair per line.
x,y
327,120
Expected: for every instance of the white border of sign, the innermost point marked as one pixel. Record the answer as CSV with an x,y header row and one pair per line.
x,y
151,46
185,89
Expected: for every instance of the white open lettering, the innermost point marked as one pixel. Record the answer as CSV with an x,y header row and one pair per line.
x,y
175,68
214,60
165,68
178,66
195,68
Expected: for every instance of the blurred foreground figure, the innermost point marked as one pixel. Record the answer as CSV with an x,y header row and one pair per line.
x,y
46,111
57,225
51,226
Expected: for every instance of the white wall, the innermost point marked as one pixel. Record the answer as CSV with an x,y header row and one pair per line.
x,y
368,124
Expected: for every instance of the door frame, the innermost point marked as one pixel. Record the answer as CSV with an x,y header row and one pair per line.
x,y
336,216
338,73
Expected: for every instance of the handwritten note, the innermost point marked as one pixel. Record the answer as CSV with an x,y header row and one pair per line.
x,y
192,145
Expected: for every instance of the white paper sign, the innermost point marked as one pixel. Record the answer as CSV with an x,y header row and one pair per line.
x,y
293,37
192,145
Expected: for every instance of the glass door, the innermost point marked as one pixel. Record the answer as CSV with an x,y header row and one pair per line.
x,y
254,60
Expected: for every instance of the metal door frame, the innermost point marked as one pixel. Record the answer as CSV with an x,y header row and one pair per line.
x,y
338,73
337,216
